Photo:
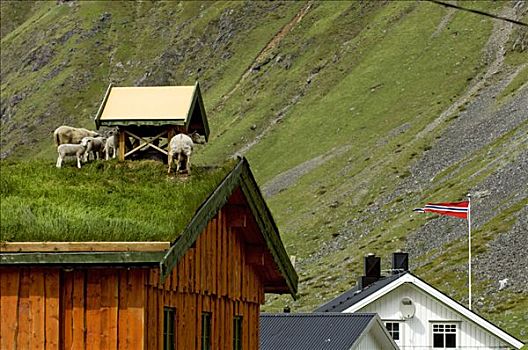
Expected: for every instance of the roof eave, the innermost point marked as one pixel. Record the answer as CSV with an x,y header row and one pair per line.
x,y
142,122
101,107
239,176
443,298
81,258
197,99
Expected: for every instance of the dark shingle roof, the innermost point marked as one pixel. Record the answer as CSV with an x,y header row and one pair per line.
x,y
354,295
318,331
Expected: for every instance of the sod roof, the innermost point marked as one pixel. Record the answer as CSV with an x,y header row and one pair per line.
x,y
126,202
103,201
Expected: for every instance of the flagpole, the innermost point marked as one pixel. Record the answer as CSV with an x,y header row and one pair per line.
x,y
469,248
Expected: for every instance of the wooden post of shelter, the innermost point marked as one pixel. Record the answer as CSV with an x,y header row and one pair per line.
x,y
121,145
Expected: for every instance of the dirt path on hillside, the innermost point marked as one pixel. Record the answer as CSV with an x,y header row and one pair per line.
x,y
494,52
272,44
288,178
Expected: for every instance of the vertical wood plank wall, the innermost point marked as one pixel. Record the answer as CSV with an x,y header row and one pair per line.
x,y
103,309
29,308
118,308
212,276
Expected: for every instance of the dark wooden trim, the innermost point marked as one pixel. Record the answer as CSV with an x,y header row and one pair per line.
x,y
84,258
242,177
203,215
102,106
237,215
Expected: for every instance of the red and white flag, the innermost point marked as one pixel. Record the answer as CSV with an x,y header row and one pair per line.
x,y
458,209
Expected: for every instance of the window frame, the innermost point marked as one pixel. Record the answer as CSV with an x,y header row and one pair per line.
x,y
206,331
169,323
238,322
392,331
444,329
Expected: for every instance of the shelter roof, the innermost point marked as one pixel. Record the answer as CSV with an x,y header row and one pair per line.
x,y
336,331
111,202
154,105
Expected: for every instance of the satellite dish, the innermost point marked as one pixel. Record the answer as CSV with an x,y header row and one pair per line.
x,y
407,308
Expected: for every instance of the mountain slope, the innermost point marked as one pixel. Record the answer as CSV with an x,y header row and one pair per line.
x,y
351,114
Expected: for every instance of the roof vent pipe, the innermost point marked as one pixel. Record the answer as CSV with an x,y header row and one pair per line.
x,y
400,262
372,266
372,270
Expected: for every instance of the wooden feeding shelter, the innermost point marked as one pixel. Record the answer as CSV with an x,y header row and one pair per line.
x,y
198,288
148,117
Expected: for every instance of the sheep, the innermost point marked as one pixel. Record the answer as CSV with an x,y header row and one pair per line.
x,y
70,149
180,145
67,134
503,283
111,146
197,138
96,147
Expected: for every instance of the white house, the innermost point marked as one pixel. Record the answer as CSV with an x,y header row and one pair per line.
x,y
417,315
324,331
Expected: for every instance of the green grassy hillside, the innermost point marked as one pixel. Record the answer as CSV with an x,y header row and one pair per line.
x,y
350,113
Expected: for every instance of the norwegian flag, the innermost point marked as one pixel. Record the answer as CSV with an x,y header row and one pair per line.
x,y
458,209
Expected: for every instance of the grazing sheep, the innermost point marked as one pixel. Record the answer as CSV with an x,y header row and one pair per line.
x,y
180,146
197,138
70,149
111,146
95,147
503,283
67,134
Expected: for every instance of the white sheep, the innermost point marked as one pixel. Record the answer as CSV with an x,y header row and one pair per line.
x,y
111,146
70,149
180,146
503,283
67,134
95,147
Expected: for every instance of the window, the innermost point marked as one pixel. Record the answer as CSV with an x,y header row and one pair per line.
x,y
237,333
444,336
169,314
394,329
206,331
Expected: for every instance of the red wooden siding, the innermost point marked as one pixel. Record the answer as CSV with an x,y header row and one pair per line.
x,y
213,276
118,308
29,308
103,309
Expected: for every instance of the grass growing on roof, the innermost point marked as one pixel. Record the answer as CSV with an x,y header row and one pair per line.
x,y
103,201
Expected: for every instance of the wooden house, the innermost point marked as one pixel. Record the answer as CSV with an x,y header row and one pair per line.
x,y
201,290
417,315
148,117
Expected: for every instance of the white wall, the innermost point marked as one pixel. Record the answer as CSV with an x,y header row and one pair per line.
x,y
416,333
368,343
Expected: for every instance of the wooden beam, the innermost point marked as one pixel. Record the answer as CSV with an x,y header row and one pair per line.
x,y
83,258
84,246
237,216
147,142
122,145
259,256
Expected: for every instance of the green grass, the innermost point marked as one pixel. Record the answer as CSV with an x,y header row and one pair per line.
x,y
374,67
103,201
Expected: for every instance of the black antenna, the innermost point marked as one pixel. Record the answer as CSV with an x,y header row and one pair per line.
x,y
478,12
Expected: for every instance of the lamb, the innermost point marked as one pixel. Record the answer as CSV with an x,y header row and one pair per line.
x,y
70,149
111,146
67,134
96,147
197,138
180,145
